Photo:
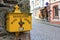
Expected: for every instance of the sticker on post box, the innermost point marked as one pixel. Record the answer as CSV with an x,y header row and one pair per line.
x,y
21,28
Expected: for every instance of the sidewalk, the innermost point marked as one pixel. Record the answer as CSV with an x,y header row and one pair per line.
x,y
47,23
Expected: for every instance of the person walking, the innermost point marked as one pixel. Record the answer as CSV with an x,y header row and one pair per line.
x,y
46,13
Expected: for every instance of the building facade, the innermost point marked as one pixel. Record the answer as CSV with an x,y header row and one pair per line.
x,y
36,5
55,11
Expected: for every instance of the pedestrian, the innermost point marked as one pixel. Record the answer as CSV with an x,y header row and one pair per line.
x,y
42,13
46,13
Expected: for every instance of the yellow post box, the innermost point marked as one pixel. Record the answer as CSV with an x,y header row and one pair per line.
x,y
18,22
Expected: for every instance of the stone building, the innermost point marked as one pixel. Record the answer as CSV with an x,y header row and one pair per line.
x,y
55,11
7,6
36,5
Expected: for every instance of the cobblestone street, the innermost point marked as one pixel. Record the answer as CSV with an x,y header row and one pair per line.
x,y
42,31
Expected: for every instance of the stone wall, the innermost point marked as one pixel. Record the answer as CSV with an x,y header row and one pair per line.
x,y
24,6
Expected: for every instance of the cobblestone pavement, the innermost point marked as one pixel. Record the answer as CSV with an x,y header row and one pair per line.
x,y
23,36
42,31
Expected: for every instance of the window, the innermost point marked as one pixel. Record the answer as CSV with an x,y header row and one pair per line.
x,y
56,10
32,4
37,2
52,1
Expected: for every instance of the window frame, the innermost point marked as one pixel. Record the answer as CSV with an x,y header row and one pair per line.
x,y
54,14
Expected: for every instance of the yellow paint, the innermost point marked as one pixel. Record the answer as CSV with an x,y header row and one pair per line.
x,y
13,19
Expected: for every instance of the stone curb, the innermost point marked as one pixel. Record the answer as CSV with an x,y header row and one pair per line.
x,y
48,23
56,25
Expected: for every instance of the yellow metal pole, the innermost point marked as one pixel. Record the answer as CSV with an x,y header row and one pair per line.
x,y
17,35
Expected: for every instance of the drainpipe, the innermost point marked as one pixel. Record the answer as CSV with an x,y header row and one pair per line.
x,y
49,12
